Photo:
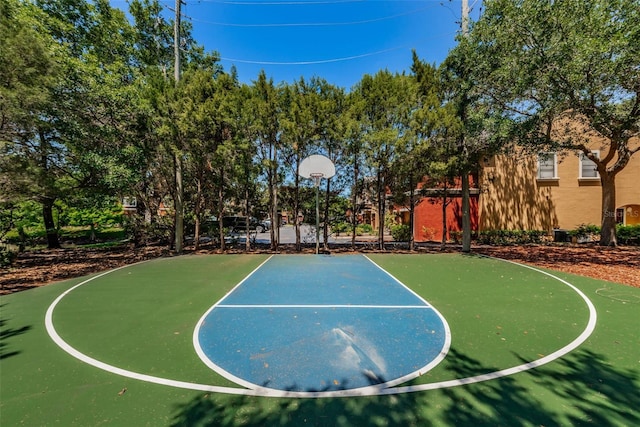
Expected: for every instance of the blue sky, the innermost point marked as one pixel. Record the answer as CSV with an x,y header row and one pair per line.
x,y
338,40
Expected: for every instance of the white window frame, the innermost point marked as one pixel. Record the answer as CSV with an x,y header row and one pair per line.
x,y
129,202
582,157
555,166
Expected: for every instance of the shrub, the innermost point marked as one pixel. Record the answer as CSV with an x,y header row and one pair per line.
x,y
511,237
341,227
429,233
7,256
142,233
628,234
585,230
585,233
401,233
364,229
456,236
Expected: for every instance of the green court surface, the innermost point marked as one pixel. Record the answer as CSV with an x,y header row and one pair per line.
x,y
502,316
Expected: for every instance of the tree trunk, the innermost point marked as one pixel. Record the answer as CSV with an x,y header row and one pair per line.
x,y
608,228
412,209
296,205
179,206
466,213
247,208
444,215
49,224
223,246
354,204
275,218
381,213
197,214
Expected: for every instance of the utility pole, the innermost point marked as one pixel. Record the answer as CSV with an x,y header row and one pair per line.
x,y
179,194
465,17
466,202
176,41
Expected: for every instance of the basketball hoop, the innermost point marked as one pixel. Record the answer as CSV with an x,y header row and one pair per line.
x,y
317,167
316,176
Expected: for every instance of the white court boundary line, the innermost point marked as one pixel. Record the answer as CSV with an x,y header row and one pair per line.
x,y
321,306
591,324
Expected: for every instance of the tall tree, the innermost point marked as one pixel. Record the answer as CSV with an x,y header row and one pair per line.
x,y
332,121
266,109
59,129
299,135
563,72
384,110
411,147
355,130
205,118
435,121
157,54
30,76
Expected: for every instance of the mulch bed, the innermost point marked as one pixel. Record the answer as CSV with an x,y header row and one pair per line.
x,y
619,265
37,268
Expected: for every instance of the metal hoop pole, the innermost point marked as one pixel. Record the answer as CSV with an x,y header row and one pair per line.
x,y
317,221
316,178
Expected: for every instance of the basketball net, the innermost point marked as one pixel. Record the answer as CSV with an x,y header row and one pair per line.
x,y
316,178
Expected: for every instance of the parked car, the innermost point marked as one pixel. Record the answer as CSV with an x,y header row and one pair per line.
x,y
239,224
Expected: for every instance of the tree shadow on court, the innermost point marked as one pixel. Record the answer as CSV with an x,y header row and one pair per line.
x,y
6,333
602,394
503,401
232,411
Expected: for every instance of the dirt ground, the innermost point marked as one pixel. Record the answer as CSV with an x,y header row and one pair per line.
x,y
38,268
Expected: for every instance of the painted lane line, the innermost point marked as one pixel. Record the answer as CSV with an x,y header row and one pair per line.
x,y
320,306
244,280
395,279
366,391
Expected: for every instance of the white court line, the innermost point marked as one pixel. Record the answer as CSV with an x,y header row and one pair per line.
x,y
318,306
365,391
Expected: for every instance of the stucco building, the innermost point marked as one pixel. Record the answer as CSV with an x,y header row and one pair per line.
x,y
544,191
552,190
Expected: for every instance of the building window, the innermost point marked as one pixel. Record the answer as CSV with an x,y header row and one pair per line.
x,y
588,167
547,166
129,202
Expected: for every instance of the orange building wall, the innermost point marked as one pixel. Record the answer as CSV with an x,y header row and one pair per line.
x,y
428,218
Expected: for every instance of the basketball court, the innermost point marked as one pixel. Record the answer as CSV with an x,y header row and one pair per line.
x,y
295,327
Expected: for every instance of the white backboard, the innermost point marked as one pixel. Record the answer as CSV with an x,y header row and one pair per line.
x,y
317,164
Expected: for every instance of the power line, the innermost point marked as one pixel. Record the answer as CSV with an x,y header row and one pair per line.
x,y
317,24
324,61
279,3
310,2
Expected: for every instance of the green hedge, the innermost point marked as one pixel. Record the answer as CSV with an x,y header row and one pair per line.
x,y
511,237
628,234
